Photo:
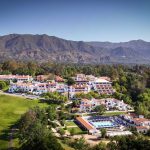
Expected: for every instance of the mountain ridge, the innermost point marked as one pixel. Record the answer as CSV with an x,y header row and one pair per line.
x,y
42,48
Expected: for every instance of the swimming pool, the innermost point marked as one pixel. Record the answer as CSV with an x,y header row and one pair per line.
x,y
103,124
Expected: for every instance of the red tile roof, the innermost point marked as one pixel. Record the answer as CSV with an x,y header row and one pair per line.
x,y
85,100
141,127
140,120
59,79
84,123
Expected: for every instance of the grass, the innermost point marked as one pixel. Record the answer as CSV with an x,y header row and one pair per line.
x,y
77,130
107,114
11,109
113,113
65,146
70,123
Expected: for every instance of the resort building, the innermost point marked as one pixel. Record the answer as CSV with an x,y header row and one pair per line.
x,y
79,88
81,79
87,105
19,78
37,88
62,88
59,79
90,78
21,87
42,83
103,86
139,122
142,129
115,104
42,78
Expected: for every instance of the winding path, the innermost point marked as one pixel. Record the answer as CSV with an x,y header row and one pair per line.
x,y
10,143
10,139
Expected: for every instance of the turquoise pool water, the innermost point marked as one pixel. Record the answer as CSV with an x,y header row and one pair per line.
x,y
101,124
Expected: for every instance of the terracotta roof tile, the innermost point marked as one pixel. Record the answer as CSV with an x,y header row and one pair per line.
x,y
84,123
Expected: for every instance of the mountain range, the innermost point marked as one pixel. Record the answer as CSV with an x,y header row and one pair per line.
x,y
42,48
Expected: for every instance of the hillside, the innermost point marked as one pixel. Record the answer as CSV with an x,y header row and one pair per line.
x,y
136,51
43,48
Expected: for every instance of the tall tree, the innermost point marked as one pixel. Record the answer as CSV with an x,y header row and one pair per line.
x,y
100,109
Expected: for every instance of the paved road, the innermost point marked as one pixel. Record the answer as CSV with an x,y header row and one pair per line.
x,y
21,95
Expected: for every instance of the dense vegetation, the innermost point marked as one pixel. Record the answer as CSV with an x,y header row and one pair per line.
x,y
4,85
35,133
132,83
54,97
35,130
116,143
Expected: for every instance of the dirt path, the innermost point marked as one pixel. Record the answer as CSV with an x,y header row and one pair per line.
x,y
72,126
11,136
91,139
10,143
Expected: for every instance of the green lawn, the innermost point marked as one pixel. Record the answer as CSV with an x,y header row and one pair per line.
x,y
11,109
77,130
70,123
113,113
65,146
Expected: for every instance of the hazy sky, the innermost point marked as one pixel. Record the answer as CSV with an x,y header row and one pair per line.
x,y
88,20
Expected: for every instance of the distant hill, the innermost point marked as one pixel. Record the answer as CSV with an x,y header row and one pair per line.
x,y
135,51
42,48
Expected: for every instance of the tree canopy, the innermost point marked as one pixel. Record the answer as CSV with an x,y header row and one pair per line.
x,y
100,109
34,133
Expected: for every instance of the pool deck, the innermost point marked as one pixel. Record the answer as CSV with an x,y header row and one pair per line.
x,y
103,124
91,123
